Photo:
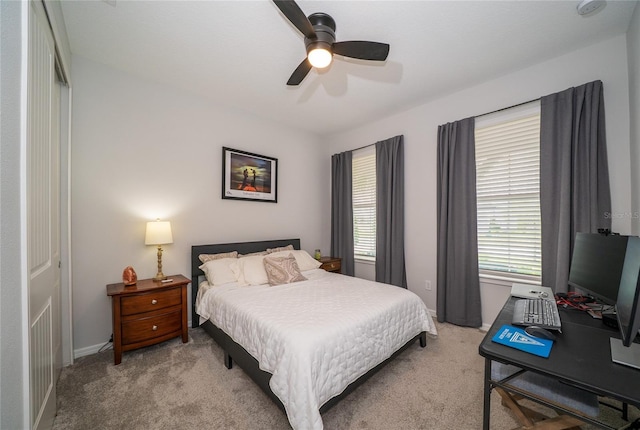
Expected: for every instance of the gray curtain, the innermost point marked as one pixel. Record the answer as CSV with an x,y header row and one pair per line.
x,y
390,267
458,273
342,211
574,175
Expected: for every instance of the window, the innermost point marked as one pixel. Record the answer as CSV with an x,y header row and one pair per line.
x,y
364,203
508,193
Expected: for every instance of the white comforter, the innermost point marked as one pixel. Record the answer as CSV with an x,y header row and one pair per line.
x,y
316,336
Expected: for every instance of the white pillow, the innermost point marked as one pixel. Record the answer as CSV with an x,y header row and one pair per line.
x,y
250,270
219,271
304,260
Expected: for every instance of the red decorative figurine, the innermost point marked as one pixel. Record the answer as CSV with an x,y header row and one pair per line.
x,y
129,276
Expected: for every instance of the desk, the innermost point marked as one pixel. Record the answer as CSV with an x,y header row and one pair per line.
x,y
580,356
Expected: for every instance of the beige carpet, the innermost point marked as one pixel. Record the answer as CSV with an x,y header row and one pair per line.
x,y
186,386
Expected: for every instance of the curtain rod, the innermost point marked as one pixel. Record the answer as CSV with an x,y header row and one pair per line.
x,y
475,116
362,147
356,149
508,107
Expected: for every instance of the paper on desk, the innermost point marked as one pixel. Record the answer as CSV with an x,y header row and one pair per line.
x,y
515,337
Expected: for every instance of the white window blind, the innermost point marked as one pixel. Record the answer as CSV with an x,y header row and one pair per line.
x,y
508,195
364,203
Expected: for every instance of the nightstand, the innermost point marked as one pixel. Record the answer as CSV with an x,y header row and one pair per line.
x,y
147,313
331,264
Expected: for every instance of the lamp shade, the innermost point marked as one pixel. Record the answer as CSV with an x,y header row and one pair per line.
x,y
158,233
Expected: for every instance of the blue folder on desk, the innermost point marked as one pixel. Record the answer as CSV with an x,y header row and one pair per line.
x,y
515,337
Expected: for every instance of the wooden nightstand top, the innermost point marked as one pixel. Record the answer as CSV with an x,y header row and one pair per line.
x,y
329,259
146,285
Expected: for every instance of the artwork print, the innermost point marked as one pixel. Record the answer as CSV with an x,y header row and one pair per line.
x,y
248,176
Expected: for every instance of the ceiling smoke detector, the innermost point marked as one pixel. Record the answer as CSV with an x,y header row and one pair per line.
x,y
587,7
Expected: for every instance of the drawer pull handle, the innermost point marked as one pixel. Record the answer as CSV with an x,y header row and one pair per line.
x,y
154,301
154,328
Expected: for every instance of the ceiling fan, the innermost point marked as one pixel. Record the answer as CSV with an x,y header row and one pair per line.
x,y
320,41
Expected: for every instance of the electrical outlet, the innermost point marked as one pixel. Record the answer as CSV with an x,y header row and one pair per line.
x,y
427,285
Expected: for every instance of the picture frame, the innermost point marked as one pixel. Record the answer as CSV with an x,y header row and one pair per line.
x,y
249,176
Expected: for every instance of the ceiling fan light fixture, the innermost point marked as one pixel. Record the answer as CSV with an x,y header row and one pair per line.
x,y
320,57
319,31
587,7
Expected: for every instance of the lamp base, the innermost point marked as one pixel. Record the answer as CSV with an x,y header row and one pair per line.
x,y
159,276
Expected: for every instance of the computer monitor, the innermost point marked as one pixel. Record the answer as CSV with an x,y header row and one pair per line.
x,y
628,308
596,265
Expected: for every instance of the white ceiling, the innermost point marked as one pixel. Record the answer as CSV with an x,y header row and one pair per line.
x,y
241,53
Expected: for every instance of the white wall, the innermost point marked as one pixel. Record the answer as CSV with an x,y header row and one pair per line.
x,y
606,61
14,382
141,150
633,51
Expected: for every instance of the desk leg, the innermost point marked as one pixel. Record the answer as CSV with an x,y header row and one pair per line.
x,y
486,412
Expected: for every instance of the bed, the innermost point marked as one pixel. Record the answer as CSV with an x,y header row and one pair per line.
x,y
308,343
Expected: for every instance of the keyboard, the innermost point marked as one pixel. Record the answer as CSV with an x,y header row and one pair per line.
x,y
539,312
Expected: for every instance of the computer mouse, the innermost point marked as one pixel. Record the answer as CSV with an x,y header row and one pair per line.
x,y
535,331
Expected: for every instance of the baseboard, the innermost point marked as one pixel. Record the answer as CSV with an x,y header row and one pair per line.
x,y
88,350
484,327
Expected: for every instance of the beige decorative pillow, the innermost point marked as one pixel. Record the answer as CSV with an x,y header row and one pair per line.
x,y
281,248
251,254
282,270
208,257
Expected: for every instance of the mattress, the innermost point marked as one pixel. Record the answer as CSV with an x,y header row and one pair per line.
x,y
316,336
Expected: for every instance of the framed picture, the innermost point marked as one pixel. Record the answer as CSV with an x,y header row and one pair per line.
x,y
247,176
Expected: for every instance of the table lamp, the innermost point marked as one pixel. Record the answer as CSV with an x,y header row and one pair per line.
x,y
158,233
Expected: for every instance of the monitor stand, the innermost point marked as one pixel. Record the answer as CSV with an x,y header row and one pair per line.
x,y
629,356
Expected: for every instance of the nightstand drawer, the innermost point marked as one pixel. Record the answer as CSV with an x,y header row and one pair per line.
x,y
150,301
331,264
143,329
334,266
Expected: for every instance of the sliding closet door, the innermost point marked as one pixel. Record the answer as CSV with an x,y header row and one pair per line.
x,y
42,219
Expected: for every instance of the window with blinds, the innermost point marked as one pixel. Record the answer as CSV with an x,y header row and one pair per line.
x,y
364,203
508,194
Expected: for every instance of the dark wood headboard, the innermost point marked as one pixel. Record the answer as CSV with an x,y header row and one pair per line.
x,y
241,247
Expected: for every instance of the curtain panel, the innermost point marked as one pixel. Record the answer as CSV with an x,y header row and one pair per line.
x,y
390,261
342,211
574,176
458,290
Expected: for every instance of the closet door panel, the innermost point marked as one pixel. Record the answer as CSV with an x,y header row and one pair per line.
x,y
42,217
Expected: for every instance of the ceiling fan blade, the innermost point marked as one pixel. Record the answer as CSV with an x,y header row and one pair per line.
x,y
292,11
362,50
300,73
